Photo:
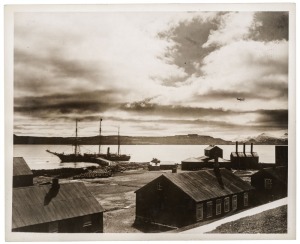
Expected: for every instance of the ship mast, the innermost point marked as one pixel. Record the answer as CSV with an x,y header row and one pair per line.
x,y
100,137
118,140
76,146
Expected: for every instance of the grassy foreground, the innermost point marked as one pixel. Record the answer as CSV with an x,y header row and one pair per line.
x,y
272,221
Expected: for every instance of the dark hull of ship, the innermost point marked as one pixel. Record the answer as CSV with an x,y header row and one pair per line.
x,y
111,157
65,158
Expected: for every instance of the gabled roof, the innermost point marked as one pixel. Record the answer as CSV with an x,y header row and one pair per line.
x,y
279,173
30,206
211,147
198,159
20,167
204,184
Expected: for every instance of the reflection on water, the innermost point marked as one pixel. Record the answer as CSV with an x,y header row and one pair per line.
x,y
37,157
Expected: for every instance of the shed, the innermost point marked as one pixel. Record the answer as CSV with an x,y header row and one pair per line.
x,y
270,184
64,208
181,199
22,175
213,151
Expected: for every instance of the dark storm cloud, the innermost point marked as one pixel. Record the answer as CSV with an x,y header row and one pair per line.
x,y
188,38
263,91
65,105
41,72
271,26
273,118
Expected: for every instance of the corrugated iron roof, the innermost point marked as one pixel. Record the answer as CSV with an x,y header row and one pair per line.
x,y
220,160
20,167
198,159
72,200
204,184
244,155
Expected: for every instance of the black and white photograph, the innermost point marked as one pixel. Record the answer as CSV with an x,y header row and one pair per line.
x,y
144,121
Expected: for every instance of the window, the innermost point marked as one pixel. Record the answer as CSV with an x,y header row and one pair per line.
x,y
268,184
199,213
218,206
226,204
209,209
234,202
87,221
159,186
53,227
245,199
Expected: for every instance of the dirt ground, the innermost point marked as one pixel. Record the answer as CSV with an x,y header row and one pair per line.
x,y
117,197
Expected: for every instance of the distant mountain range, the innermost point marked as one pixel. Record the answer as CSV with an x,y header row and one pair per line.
x,y
191,139
266,139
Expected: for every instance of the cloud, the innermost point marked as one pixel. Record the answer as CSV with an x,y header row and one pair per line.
x,y
270,26
234,26
171,71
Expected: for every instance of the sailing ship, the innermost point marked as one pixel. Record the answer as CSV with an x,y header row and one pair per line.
x,y
91,157
110,156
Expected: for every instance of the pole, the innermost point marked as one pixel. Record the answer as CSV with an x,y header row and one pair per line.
x,y
76,139
118,140
100,136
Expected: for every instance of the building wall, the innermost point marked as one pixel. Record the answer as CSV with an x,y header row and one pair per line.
x,y
22,180
194,165
168,206
278,189
281,155
214,152
73,225
244,162
172,207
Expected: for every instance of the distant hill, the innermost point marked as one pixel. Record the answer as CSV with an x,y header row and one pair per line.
x,y
192,139
266,139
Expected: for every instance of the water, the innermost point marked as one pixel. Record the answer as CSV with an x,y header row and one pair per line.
x,y
37,157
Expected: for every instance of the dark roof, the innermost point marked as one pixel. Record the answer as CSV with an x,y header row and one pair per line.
x,y
20,167
244,155
211,147
204,184
71,200
220,160
279,173
198,159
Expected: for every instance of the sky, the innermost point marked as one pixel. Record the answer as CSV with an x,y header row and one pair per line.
x,y
151,73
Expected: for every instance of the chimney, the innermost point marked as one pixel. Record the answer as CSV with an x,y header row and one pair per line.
x,y
244,147
216,163
236,146
55,183
251,147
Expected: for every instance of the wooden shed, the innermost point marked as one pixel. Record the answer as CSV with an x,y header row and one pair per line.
x,y
64,208
180,199
213,151
22,175
270,184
